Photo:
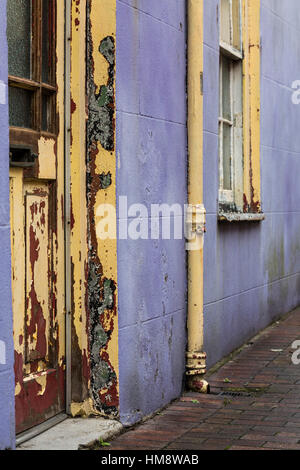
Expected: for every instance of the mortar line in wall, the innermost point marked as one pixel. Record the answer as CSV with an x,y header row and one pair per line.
x,y
280,149
151,117
150,217
206,131
281,212
262,286
217,51
151,16
152,319
7,370
281,85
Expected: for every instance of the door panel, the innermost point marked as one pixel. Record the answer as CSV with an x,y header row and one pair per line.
x,y
38,262
38,325
37,311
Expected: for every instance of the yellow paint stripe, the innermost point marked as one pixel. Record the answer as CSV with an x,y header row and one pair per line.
x,y
103,24
251,106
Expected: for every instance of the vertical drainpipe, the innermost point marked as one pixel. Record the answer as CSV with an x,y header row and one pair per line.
x,y
196,358
68,300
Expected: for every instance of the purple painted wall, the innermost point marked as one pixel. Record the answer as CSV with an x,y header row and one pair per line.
x,y
151,151
7,425
251,271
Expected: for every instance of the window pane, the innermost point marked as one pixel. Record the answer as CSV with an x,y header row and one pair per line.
x,y
19,37
225,21
236,18
19,107
227,138
47,121
47,38
226,88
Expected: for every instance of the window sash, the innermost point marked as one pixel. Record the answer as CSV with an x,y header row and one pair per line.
x,y
246,122
231,159
231,26
226,194
35,83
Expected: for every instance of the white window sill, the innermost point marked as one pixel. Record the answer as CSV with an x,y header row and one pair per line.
x,y
240,217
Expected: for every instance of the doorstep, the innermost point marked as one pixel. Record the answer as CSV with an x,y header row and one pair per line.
x,y
72,433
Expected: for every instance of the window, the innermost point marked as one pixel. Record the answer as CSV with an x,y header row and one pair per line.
x,y
231,105
31,66
239,113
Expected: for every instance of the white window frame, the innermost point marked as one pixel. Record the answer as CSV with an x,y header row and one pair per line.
x,y
232,197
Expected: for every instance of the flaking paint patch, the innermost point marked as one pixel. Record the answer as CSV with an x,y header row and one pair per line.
x,y
86,408
80,384
105,180
101,299
251,107
42,381
101,125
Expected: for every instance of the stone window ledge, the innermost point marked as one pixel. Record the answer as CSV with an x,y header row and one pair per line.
x,y
240,217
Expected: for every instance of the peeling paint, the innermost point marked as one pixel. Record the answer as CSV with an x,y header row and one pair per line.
x,y
101,289
251,107
79,350
85,408
101,105
105,180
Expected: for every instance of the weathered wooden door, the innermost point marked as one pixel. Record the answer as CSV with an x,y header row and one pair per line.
x,y
36,95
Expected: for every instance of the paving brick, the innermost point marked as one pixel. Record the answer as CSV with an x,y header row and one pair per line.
x,y
275,419
218,420
152,435
184,446
267,430
217,444
261,437
256,415
191,440
248,444
131,444
236,447
293,423
281,446
247,422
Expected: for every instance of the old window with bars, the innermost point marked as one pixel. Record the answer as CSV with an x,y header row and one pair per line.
x,y
31,35
231,106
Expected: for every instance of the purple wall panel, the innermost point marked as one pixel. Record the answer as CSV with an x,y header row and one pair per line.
x,y
7,427
151,150
251,271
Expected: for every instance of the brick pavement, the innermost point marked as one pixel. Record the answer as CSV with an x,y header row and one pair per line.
x,y
266,414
